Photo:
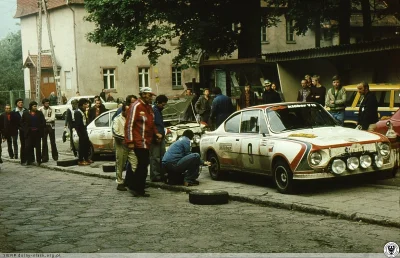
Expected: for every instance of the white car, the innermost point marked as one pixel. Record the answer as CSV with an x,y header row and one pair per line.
x,y
293,141
100,135
61,110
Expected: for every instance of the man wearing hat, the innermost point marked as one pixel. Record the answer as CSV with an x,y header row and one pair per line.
x,y
139,133
269,95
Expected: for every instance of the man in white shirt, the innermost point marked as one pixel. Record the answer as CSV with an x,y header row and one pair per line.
x,y
49,131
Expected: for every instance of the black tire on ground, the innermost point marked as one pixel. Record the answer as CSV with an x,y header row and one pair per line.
x,y
283,177
109,167
208,197
67,162
214,169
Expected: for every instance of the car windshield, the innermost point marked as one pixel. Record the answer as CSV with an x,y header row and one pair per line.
x,y
298,116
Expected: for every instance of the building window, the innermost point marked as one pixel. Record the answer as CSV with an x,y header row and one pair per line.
x,y
264,38
289,31
144,77
176,78
109,78
68,82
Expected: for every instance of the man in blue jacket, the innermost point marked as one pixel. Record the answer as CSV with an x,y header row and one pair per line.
x,y
180,160
221,107
157,148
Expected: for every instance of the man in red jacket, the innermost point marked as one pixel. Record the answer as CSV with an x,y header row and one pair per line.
x,y
139,132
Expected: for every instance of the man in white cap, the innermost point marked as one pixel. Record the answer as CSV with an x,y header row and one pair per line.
x,y
139,133
270,96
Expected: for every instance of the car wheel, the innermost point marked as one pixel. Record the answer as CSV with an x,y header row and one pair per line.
x,y
283,177
214,169
208,197
109,167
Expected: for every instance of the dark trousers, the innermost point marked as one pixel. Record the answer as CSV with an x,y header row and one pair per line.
x,y
187,166
22,142
33,143
50,133
83,146
137,181
10,146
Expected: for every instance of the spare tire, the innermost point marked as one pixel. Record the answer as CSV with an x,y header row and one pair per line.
x,y
67,162
109,167
208,197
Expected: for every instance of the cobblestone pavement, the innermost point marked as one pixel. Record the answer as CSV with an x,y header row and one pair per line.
x,y
42,210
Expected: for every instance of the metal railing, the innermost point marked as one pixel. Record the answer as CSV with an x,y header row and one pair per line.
x,y
9,97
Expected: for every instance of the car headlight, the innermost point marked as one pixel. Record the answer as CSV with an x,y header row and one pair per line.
x,y
170,137
353,163
365,161
378,161
196,139
315,158
384,149
338,166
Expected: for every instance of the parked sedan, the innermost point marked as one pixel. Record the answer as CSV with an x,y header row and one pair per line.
x,y
291,142
100,135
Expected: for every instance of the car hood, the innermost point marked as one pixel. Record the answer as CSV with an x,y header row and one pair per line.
x,y
328,136
176,108
195,127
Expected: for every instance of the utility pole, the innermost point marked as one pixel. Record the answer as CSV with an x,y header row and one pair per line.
x,y
53,56
43,7
39,56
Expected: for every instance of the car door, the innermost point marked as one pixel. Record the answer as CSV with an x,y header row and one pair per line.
x,y
228,144
101,134
250,141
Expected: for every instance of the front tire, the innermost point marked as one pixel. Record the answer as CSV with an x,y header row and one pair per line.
x,y
214,169
283,177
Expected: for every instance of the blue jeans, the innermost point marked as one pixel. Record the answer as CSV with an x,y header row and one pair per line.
x,y
339,116
188,166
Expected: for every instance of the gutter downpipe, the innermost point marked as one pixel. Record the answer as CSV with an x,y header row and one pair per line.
x,y
76,56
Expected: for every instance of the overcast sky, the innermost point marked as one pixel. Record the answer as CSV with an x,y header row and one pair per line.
x,y
7,22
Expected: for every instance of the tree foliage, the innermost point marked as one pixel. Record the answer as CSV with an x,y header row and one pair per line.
x,y
12,76
204,25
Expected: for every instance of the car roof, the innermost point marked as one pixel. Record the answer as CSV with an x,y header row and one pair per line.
x,y
375,86
264,106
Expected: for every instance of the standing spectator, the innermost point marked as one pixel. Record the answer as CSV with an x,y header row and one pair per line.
x,y
9,129
336,99
139,132
248,98
96,110
17,113
64,99
122,153
53,99
221,107
33,123
103,94
304,94
368,111
188,92
157,148
270,96
203,106
129,100
276,89
308,79
179,160
110,98
318,92
49,131
80,127
70,124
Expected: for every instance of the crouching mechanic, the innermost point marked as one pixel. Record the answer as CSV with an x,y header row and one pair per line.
x,y
179,160
122,152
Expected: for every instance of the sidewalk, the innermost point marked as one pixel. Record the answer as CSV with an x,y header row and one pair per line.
x,y
371,203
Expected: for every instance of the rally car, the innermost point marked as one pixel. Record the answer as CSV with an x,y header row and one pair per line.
x,y
293,141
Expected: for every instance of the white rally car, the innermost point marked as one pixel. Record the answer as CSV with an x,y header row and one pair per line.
x,y
293,141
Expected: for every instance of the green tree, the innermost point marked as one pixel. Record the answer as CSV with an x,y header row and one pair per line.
x,y
200,26
12,76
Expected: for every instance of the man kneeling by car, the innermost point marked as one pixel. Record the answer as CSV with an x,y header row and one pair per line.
x,y
179,161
